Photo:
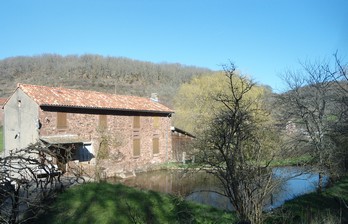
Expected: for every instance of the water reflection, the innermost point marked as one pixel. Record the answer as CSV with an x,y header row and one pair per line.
x,y
202,188
178,182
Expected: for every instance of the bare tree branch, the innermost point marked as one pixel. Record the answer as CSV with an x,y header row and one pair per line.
x,y
234,148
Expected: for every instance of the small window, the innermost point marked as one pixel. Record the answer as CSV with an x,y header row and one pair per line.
x,y
103,121
156,122
155,146
83,153
62,120
136,147
136,122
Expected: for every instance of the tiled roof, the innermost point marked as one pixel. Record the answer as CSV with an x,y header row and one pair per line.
x,y
63,97
3,101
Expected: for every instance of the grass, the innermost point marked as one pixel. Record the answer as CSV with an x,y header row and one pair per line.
x,y
332,204
116,203
295,161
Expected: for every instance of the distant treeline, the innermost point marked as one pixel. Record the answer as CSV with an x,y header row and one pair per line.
x,y
93,72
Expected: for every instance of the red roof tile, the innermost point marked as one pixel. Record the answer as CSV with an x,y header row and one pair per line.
x,y
3,101
57,96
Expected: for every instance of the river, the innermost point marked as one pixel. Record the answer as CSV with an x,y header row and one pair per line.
x,y
198,186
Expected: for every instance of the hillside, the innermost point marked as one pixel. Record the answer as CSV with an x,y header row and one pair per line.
x,y
93,72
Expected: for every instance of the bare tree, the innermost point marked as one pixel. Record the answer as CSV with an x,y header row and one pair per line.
x,y
312,104
29,177
95,72
340,75
108,150
238,146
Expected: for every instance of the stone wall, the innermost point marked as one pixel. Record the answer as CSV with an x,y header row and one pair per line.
x,y
2,102
20,122
119,134
1,116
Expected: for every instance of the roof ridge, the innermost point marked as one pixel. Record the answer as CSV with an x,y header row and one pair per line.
x,y
81,90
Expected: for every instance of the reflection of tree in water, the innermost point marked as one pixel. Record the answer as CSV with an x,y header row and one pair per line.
x,y
202,187
194,182
176,182
195,186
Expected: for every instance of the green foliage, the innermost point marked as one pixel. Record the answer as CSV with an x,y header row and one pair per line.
x,y
108,203
196,102
292,161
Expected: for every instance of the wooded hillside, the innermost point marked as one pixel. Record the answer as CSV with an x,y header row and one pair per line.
x,y
93,72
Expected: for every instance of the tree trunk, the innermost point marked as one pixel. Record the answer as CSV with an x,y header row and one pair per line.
x,y
15,207
320,182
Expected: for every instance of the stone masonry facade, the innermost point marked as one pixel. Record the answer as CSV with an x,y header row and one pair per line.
x,y
121,133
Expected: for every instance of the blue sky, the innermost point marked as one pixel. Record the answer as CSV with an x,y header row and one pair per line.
x,y
263,38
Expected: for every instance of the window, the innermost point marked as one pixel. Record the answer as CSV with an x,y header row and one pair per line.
x,y
155,145
103,121
86,153
83,152
136,147
136,122
136,136
156,122
62,120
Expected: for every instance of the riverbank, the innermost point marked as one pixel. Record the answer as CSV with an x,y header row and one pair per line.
x,y
280,162
116,203
331,206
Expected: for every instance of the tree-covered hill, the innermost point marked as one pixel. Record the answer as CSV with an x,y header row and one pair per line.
x,y
94,72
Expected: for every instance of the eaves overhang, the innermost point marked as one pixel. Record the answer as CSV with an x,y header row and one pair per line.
x,y
102,110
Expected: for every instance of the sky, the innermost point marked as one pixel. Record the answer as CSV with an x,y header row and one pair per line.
x,y
263,38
